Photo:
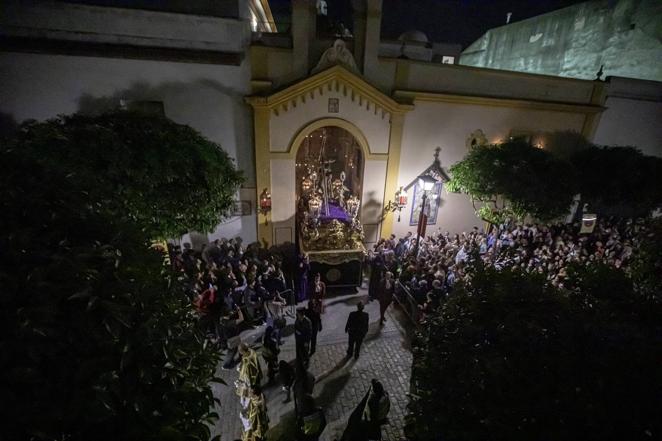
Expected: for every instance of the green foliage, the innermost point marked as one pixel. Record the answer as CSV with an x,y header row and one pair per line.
x,y
646,267
510,358
164,176
565,144
527,181
619,180
515,179
97,339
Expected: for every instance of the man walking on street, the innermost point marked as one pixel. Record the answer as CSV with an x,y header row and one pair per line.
x,y
303,330
356,328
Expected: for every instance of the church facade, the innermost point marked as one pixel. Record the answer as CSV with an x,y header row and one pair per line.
x,y
278,102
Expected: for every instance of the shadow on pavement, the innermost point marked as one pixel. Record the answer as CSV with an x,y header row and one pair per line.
x,y
285,430
331,389
347,301
329,372
287,331
374,331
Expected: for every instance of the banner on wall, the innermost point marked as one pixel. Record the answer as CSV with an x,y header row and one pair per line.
x,y
431,204
422,224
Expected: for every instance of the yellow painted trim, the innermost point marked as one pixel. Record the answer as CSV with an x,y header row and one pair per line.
x,y
333,74
306,130
270,18
258,86
392,169
401,74
415,96
262,168
259,62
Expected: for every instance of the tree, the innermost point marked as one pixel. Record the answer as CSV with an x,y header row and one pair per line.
x,y
98,340
164,176
619,181
514,179
646,267
509,357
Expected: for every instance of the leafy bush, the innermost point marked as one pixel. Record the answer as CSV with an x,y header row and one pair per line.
x,y
510,358
523,179
98,341
515,179
164,176
646,267
619,180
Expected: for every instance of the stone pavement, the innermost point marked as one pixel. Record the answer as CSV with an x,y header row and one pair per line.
x,y
340,384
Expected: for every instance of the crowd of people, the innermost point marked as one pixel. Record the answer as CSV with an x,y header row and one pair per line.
x,y
234,289
429,271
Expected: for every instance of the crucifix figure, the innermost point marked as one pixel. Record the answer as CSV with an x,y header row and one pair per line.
x,y
325,174
436,154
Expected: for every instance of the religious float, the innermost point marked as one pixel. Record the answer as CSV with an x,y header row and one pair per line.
x,y
328,173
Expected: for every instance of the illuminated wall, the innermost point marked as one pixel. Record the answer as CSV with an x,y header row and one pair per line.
x,y
625,36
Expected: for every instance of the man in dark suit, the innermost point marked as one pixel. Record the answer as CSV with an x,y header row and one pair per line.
x,y
356,328
302,333
313,312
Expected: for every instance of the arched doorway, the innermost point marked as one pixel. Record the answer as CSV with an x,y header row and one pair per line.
x,y
339,150
329,168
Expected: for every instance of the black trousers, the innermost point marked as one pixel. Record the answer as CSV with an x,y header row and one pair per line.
x,y
354,346
303,353
313,342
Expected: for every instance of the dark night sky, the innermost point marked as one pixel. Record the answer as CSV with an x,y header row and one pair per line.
x,y
449,21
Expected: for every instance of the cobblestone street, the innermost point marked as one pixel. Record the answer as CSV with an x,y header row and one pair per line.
x,y
340,383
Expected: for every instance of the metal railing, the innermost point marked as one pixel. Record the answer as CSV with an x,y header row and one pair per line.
x,y
408,303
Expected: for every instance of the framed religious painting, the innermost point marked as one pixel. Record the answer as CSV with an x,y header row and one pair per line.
x,y
241,208
334,105
431,204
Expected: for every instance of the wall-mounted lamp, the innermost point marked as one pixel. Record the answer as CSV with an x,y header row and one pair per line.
x,y
265,204
398,204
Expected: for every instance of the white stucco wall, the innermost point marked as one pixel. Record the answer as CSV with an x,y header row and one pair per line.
x,y
448,125
283,203
207,97
374,125
76,22
372,200
631,122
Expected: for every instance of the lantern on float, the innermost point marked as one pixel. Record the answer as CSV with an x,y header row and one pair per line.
x,y
314,208
353,206
306,185
265,204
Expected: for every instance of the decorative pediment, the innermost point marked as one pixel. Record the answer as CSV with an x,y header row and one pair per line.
x,y
337,54
337,79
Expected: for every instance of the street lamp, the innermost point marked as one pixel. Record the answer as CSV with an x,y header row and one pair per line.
x,y
426,183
